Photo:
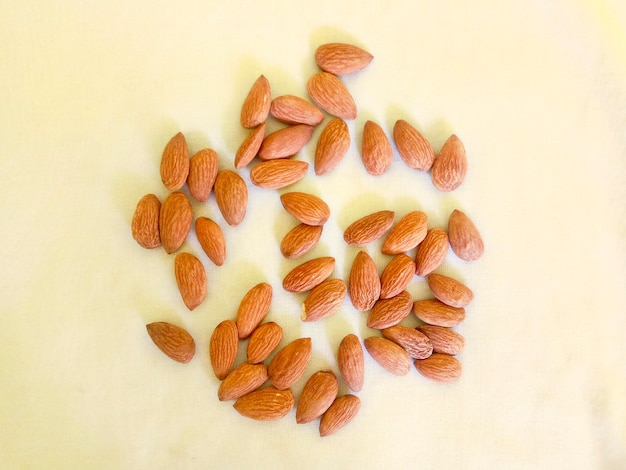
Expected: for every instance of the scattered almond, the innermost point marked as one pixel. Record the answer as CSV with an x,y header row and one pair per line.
x,y
396,276
242,380
289,363
249,148
450,291
376,150
413,341
191,279
264,339
277,174
368,228
341,58
364,283
202,173
450,166
409,232
175,163
173,340
330,94
388,354
323,300
351,362
307,208
285,142
300,240
465,238
257,104
390,312
343,410
317,395
435,312
211,239
439,367
175,221
223,347
253,308
145,223
431,252
332,145
292,109
266,404
231,195
309,274
414,149
444,340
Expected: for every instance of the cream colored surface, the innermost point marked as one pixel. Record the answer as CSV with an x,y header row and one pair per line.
x,y
92,91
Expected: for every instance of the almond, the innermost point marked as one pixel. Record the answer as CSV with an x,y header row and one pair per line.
x,y
285,142
175,221
439,367
242,380
351,362
388,354
202,174
173,340
318,394
223,347
368,228
332,145
289,363
309,274
249,147
253,308
292,109
413,341
341,412
413,148
450,291
376,150
263,341
409,232
191,279
211,239
257,104
231,195
396,276
341,58
465,238
175,163
330,94
364,283
266,404
450,166
390,312
277,174
431,252
435,312
300,240
307,208
444,340
145,223
324,300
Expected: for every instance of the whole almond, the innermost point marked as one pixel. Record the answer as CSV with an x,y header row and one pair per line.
x,y
431,252
277,174
439,367
364,283
409,232
324,300
289,363
332,145
444,340
202,174
300,240
465,238
343,410
172,340
413,148
450,291
292,109
341,58
231,195
435,312
376,150
257,104
307,208
211,239
330,94
390,312
145,223
414,342
249,147
388,354
396,276
309,274
253,308
223,347
450,166
175,163
368,228
175,221
264,339
318,394
242,380
266,404
351,362
191,279
285,142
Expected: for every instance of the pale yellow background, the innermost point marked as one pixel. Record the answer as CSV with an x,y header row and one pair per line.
x,y
91,92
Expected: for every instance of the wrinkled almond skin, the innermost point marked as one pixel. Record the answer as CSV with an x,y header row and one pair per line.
x,y
341,58
465,238
364,282
390,312
396,276
191,279
145,223
324,300
414,342
431,252
277,174
450,291
289,363
351,362
285,142
231,195
317,395
368,228
444,340
249,148
175,163
307,208
343,410
409,232
435,312
264,339
172,340
223,347
202,173
309,274
211,239
450,166
266,404
242,380
332,146
388,354
439,367
175,221
413,148
253,308
376,150
330,94
300,240
256,106
292,109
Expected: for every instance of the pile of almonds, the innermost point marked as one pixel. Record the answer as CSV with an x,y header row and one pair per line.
x,y
431,346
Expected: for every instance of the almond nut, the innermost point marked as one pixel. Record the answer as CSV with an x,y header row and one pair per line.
x,y
330,94
439,367
289,363
277,174
191,279
309,274
257,104
317,395
390,312
285,142
242,380
249,148
351,362
231,195
211,239
223,347
307,208
300,240
414,149
172,340
396,276
409,232
388,354
323,300
376,150
264,339
465,238
450,291
175,221
253,308
435,312
266,404
341,58
332,145
431,252
343,410
292,109
444,340
450,166
145,223
364,283
175,163
416,343
202,174
368,228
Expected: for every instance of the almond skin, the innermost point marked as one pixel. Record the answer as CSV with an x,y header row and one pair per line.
x,y
277,174
300,240
175,163
396,276
368,228
324,300
289,363
223,347
242,380
332,145
249,148
257,104
266,404
231,195
435,312
450,291
364,283
145,223
413,148
172,340
307,208
465,238
376,150
390,312
292,109
341,58
439,367
175,221
202,174
409,232
343,410
309,274
330,94
444,340
450,166
388,354
317,395
263,341
285,142
431,252
253,308
211,239
351,362
414,342
191,279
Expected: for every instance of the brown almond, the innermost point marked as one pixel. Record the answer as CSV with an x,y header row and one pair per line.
x,y
341,58
318,394
257,104
368,228
413,341
266,404
277,174
264,339
450,166
409,232
223,347
191,279
289,363
324,300
242,380
444,340
435,312
202,174
145,223
211,239
307,208
300,240
376,150
231,195
330,94
431,252
388,354
309,274
343,410
364,283
390,312
175,221
413,148
465,238
172,340
439,367
332,145
396,276
450,291
351,362
175,163
292,109
249,148
285,142
253,308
